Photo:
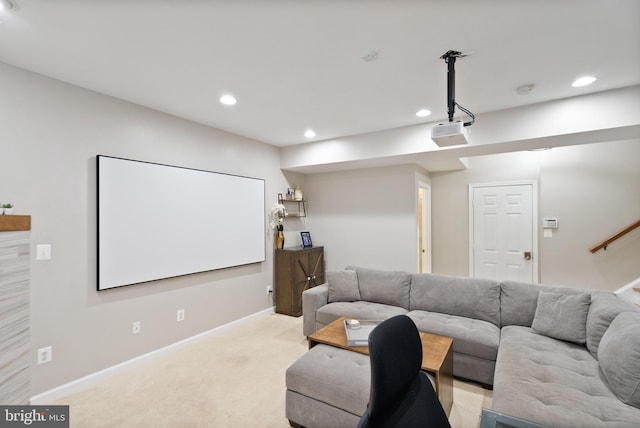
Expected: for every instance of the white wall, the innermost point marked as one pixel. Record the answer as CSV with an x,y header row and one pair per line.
x,y
366,217
450,213
592,189
50,133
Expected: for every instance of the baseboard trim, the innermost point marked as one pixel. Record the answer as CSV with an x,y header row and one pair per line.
x,y
81,383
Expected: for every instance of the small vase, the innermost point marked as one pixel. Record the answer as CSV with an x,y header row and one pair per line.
x,y
280,240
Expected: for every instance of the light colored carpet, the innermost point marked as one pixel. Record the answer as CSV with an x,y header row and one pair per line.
x,y
235,378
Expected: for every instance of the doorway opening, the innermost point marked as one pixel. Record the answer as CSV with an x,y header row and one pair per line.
x,y
424,227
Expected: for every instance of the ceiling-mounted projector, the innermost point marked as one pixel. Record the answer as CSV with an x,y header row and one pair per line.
x,y
450,134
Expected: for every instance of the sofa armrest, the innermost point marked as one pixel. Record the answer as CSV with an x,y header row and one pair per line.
x,y
312,300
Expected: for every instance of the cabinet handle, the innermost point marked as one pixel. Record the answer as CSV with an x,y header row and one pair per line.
x,y
314,277
308,278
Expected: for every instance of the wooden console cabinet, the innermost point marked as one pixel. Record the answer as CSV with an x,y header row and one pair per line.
x,y
296,269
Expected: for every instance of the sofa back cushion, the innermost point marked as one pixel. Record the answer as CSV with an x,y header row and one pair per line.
x,y
605,306
562,316
619,357
381,286
465,297
342,286
518,301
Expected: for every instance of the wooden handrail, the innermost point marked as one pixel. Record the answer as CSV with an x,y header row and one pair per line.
x,y
620,234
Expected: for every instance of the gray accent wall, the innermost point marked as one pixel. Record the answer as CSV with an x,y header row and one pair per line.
x,y
50,133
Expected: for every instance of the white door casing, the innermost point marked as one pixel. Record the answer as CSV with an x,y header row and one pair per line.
x,y
502,231
424,228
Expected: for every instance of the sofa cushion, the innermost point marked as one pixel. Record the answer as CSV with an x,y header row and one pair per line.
x,y
343,286
470,336
380,286
360,310
605,306
562,316
465,297
518,301
554,383
619,355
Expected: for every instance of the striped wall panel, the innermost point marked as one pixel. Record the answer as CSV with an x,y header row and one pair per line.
x,y
14,317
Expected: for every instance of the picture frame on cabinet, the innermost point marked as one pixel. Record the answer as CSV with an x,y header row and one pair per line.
x,y
306,239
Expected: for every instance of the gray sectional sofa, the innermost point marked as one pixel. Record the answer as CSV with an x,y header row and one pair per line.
x,y
556,356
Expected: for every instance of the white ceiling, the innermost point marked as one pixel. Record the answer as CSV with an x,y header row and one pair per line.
x,y
297,64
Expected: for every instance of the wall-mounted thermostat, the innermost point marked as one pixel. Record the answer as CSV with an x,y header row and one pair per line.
x,y
550,223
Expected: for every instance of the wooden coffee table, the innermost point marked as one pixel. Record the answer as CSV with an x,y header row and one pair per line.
x,y
437,356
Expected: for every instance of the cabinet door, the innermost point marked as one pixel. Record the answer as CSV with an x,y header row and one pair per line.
x,y
300,281
316,267
309,272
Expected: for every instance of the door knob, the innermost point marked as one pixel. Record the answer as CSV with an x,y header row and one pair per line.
x,y
527,255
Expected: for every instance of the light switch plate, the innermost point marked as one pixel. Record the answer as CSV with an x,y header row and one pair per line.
x,y
43,252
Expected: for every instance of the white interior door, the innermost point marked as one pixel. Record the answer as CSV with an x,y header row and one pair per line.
x,y
502,232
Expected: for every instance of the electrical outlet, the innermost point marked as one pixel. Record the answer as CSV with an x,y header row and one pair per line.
x,y
45,355
136,327
269,289
180,315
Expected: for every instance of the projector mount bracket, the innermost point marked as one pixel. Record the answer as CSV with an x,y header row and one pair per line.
x,y
450,58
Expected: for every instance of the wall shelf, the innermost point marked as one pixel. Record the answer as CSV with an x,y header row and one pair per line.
x,y
11,223
293,207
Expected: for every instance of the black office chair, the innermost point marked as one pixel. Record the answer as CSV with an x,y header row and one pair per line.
x,y
401,395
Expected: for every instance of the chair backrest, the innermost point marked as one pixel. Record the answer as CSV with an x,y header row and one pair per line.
x,y
401,395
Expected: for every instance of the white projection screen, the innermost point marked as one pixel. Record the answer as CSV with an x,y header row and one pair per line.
x,y
158,221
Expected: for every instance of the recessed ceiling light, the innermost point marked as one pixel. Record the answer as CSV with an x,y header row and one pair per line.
x,y
309,133
7,4
583,81
228,100
423,113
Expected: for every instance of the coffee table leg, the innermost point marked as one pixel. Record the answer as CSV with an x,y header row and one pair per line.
x,y
444,383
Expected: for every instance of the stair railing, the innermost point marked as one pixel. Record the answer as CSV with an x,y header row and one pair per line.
x,y
606,242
